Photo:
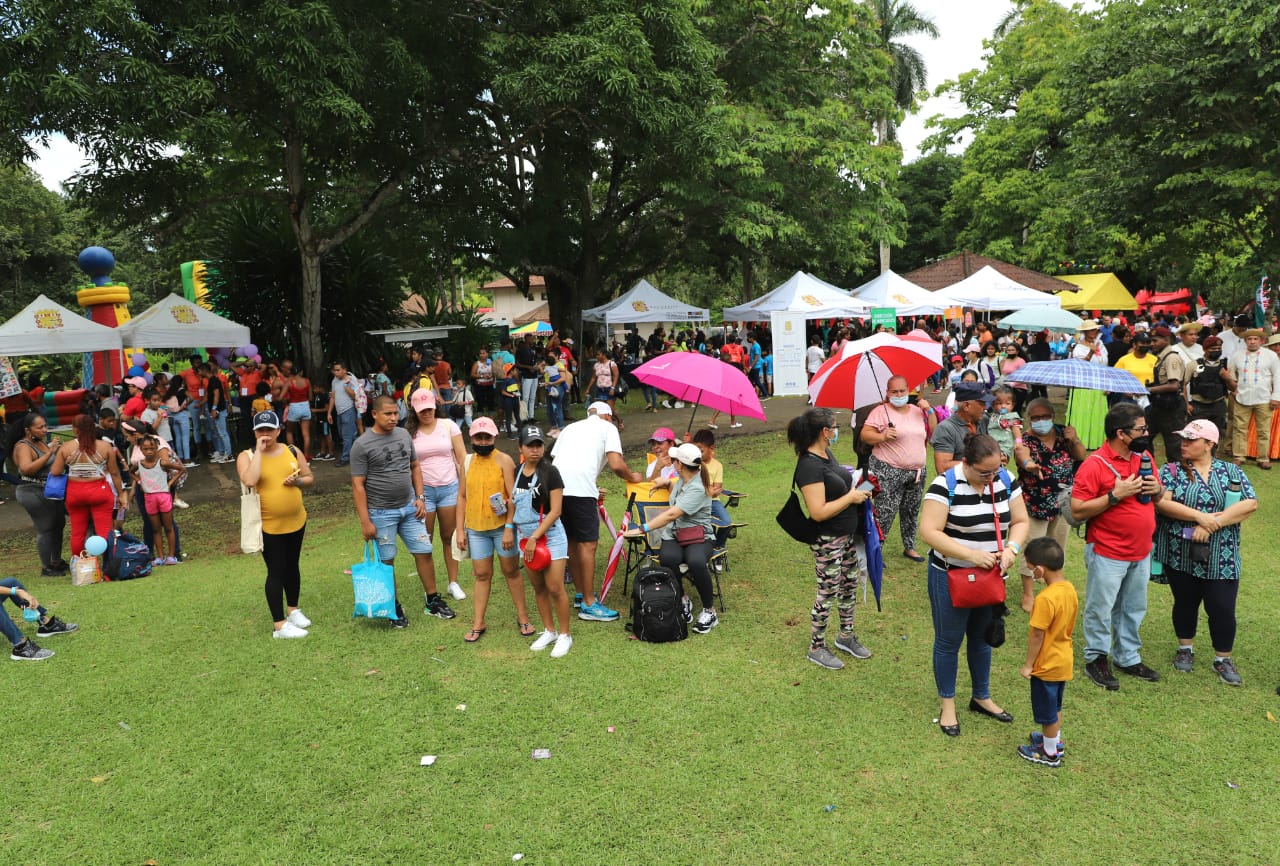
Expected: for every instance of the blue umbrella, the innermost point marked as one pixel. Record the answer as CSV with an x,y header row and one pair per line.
x,y
875,551
1041,318
1072,373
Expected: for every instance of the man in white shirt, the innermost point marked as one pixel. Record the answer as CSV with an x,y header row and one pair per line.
x,y
1255,374
1188,345
814,356
581,451
1233,339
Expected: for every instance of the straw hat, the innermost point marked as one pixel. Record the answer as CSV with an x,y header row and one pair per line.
x,y
1089,325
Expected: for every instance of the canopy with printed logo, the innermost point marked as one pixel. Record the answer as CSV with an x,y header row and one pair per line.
x,y
644,303
176,323
803,293
45,327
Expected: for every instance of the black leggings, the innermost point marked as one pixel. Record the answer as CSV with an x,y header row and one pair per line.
x,y
1219,598
671,554
281,554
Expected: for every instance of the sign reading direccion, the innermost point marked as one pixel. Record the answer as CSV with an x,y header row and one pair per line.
x,y
887,316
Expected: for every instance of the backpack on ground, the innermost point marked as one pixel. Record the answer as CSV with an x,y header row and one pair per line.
x,y
127,557
657,616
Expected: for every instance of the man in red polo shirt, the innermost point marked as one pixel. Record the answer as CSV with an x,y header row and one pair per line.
x,y
1118,540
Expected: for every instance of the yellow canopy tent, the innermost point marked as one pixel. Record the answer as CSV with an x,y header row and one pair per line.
x,y
1097,292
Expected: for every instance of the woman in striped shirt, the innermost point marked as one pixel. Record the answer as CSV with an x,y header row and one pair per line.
x,y
958,522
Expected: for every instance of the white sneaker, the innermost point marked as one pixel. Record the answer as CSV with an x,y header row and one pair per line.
x,y
714,426
666,404
298,618
190,464
736,424
546,639
561,649
289,630
679,404
180,503
456,591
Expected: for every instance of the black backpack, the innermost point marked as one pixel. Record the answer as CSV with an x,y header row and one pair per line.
x,y
126,558
657,616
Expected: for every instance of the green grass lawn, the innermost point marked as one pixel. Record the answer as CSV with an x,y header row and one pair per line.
x,y
172,728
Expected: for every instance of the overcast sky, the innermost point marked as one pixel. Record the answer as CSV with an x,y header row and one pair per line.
x,y
962,25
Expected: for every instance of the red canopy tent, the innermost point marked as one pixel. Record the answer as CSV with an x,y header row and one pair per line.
x,y
1179,302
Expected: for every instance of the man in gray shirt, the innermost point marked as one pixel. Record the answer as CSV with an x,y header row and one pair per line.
x,y
972,400
342,408
387,487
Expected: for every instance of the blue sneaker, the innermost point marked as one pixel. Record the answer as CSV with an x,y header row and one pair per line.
x,y
577,601
597,613
1037,739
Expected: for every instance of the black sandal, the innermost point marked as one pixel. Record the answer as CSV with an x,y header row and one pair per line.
x,y
475,634
526,629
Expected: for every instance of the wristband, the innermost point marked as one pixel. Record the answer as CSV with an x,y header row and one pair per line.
x,y
1015,547
644,527
509,526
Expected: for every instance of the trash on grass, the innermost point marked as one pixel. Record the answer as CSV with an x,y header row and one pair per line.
x,y
611,729
125,726
830,807
370,672
428,760
1232,785
541,754
462,708
1270,718
517,856
434,659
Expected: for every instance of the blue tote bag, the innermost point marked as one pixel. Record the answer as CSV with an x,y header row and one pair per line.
x,y
375,586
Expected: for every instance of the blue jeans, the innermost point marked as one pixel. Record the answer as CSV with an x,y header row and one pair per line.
x,y
347,427
555,410
221,441
7,625
180,426
195,413
529,395
951,625
650,395
1115,602
404,522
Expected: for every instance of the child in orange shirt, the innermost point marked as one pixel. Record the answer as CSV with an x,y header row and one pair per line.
x,y
1049,656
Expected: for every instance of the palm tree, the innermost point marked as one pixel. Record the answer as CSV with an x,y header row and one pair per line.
x,y
896,19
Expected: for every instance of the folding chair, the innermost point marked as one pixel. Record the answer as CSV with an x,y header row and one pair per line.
x,y
638,550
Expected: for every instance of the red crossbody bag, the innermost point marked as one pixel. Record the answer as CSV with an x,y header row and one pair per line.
x,y
979,587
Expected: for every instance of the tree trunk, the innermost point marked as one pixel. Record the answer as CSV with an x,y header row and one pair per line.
x,y
748,278
295,177
564,303
309,342
882,138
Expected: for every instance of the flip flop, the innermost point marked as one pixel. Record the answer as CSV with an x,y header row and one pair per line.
x,y
526,629
475,634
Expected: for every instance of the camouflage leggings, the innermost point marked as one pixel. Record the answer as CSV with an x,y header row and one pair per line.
x,y
836,565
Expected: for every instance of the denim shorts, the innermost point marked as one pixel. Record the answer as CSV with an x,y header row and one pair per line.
x,y
443,496
1046,700
557,541
300,411
487,542
401,521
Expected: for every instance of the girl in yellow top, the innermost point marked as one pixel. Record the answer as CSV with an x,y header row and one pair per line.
x,y
484,498
279,473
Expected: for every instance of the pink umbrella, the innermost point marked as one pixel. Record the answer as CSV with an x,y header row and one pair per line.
x,y
858,376
702,381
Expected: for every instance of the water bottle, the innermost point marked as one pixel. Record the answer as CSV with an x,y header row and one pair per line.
x,y
1234,494
1144,472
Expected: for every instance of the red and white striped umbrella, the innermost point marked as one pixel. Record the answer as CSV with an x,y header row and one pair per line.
x,y
859,374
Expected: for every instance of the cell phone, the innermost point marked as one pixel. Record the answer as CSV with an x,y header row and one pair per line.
x,y
498,502
867,487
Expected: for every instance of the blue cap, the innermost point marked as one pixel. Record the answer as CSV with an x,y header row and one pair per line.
x,y
268,419
973,391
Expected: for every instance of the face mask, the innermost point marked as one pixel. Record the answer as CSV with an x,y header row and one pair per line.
x,y
900,401
1213,356
483,450
835,438
1043,428
1141,444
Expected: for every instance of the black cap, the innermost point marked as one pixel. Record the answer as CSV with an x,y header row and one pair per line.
x,y
531,433
266,419
973,391
1142,337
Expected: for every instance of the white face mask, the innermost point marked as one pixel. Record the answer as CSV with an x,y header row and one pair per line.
x,y
900,401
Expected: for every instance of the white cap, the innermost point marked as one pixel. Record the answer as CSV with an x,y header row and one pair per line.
x,y
688,454
600,408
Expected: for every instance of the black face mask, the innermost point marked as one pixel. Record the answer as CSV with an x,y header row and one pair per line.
x,y
1141,444
483,450
1212,356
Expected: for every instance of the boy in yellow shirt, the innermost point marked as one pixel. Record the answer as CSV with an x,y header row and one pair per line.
x,y
1049,656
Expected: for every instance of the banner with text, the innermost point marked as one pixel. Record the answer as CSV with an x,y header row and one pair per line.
x,y
887,316
788,354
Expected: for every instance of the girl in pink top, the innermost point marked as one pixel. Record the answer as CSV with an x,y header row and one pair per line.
x,y
442,462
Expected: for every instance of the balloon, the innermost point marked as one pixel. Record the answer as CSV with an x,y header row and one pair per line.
x,y
95,545
146,366
257,359
150,379
139,359
135,371
250,349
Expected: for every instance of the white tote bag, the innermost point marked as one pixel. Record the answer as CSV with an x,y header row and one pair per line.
x,y
250,520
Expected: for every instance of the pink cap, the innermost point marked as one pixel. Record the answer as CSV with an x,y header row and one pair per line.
x,y
136,381
484,425
423,399
663,434
1200,429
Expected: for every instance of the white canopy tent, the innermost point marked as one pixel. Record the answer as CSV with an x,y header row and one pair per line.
x,y
45,327
803,293
644,303
176,323
988,289
891,290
